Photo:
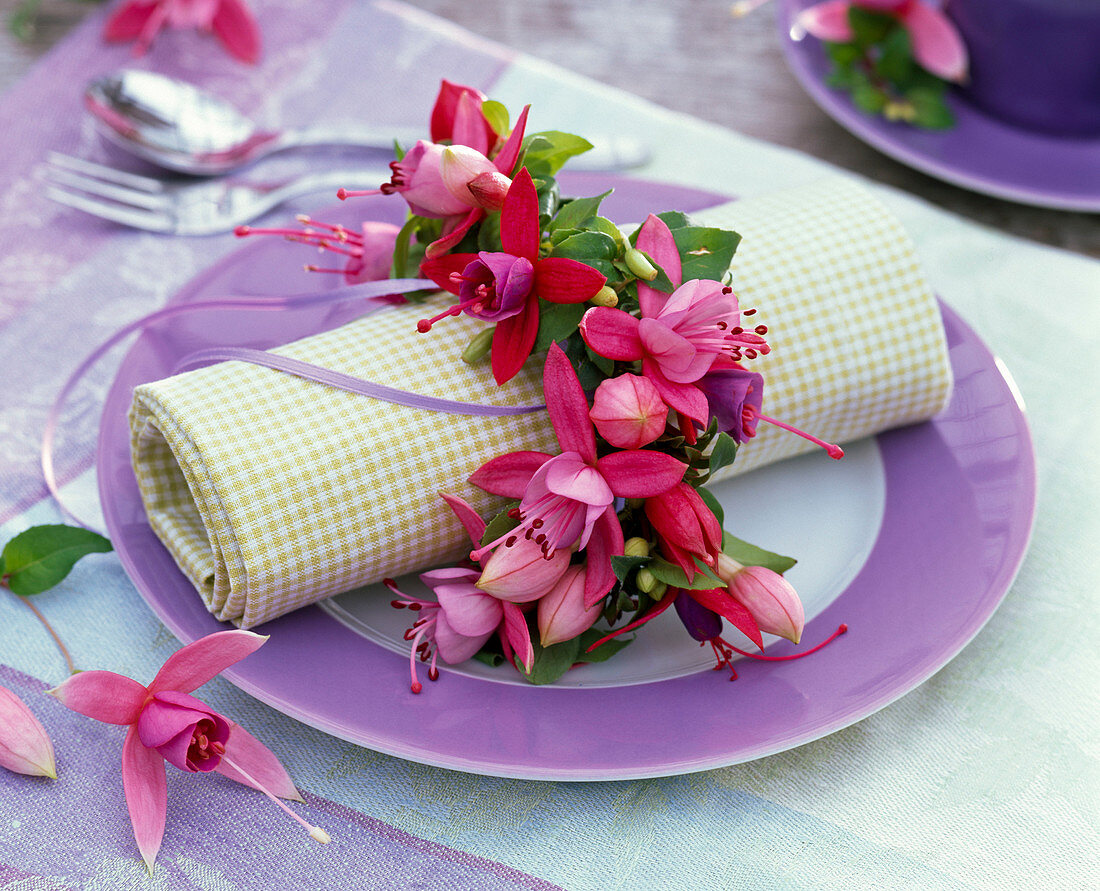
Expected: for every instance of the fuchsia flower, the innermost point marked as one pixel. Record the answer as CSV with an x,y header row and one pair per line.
x,y
734,398
679,337
231,21
506,287
456,184
686,528
25,746
628,411
167,724
770,599
369,253
568,499
937,45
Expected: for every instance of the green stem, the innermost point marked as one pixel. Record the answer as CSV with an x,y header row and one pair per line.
x,y
45,624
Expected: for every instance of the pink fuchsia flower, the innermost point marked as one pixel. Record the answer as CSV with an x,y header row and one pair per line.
x,y
369,252
937,45
506,287
679,337
562,613
686,528
628,411
769,598
457,117
568,499
231,21
25,746
734,399
167,724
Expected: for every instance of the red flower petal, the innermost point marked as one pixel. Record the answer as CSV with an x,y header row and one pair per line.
x,y
519,218
655,238
606,541
469,518
128,21
638,473
563,280
719,601
440,269
567,405
453,236
513,340
685,398
612,333
506,158
508,475
236,28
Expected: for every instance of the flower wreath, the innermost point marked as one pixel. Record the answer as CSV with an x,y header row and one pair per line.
x,y
645,383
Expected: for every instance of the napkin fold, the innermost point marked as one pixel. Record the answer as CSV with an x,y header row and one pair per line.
x,y
273,492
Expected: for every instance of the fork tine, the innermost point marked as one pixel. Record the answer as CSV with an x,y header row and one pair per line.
x,y
121,194
103,172
127,216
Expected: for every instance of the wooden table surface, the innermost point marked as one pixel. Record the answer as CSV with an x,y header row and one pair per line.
x,y
691,55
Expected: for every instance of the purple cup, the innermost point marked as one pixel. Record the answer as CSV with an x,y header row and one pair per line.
x,y
1034,63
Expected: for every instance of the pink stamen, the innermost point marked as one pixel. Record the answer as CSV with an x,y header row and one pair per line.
x,y
345,194
834,450
841,629
314,831
425,325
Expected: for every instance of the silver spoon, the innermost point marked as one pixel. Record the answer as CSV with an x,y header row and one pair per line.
x,y
175,125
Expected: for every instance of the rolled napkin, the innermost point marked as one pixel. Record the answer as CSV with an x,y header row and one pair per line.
x,y
273,492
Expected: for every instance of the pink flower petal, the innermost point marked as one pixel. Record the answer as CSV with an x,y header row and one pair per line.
x,y
937,44
570,476
455,647
102,695
446,105
469,124
685,398
612,333
509,153
562,280
146,790
458,166
25,746
513,341
517,636
509,474
521,573
562,614
655,238
128,21
640,473
469,518
469,611
567,405
519,218
675,354
827,21
254,757
192,666
236,28
168,713
606,541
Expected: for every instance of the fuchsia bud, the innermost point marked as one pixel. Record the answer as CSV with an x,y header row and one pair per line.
x,y
460,165
769,598
562,614
521,571
628,411
25,746
489,189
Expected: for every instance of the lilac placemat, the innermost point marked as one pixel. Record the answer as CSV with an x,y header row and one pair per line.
x,y
47,826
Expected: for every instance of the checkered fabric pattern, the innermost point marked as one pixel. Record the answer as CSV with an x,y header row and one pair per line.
x,y
273,492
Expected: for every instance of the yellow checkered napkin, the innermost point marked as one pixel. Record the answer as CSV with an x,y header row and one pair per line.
x,y
273,492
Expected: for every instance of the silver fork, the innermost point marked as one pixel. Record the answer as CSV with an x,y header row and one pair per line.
x,y
184,208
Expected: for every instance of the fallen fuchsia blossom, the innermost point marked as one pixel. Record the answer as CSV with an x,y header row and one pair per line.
x,y
167,724
569,499
25,746
505,287
937,45
231,21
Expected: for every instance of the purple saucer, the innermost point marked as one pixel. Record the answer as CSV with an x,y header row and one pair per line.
x,y
981,152
960,494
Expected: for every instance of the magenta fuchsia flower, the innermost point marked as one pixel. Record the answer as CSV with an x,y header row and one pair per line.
x,y
680,336
231,21
25,746
506,287
369,252
457,118
568,499
937,45
167,724
686,528
628,411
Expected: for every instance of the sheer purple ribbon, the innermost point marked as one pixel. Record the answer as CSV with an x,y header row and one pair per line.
x,y
371,291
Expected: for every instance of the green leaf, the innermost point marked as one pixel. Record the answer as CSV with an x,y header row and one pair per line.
x,y
489,658
604,651
674,576
401,246
704,252
710,501
587,246
895,60
623,565
557,321
843,54
674,219
723,452
869,98
497,116
606,366
577,213
550,149
488,234
932,112
552,662
498,526
751,555
42,556
869,27
604,225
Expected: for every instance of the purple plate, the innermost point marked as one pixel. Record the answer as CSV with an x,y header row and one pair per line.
x,y
959,500
979,153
